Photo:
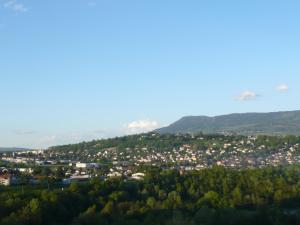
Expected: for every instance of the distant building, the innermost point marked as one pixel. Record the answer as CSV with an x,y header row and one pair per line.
x,y
138,176
114,174
25,170
5,180
8,179
86,165
82,165
76,179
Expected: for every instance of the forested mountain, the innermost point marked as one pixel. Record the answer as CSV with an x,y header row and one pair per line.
x,y
275,123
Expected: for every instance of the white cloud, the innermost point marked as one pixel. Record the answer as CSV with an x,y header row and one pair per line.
x,y
246,96
282,88
15,6
140,126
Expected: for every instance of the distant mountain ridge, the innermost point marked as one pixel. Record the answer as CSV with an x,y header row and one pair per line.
x,y
273,123
13,149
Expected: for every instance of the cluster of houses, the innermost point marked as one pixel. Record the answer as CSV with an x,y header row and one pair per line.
x,y
74,172
244,152
240,153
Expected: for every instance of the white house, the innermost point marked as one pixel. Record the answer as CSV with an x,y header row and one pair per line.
x,y
138,176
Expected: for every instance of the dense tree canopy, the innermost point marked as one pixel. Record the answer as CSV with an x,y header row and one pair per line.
x,y
211,196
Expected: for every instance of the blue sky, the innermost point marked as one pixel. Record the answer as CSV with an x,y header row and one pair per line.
x,y
81,70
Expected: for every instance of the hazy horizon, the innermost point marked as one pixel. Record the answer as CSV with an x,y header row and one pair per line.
x,y
137,132
97,69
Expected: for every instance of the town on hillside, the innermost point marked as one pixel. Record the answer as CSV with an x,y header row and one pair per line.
x,y
129,156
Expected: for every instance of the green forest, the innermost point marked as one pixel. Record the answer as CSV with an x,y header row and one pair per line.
x,y
215,196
